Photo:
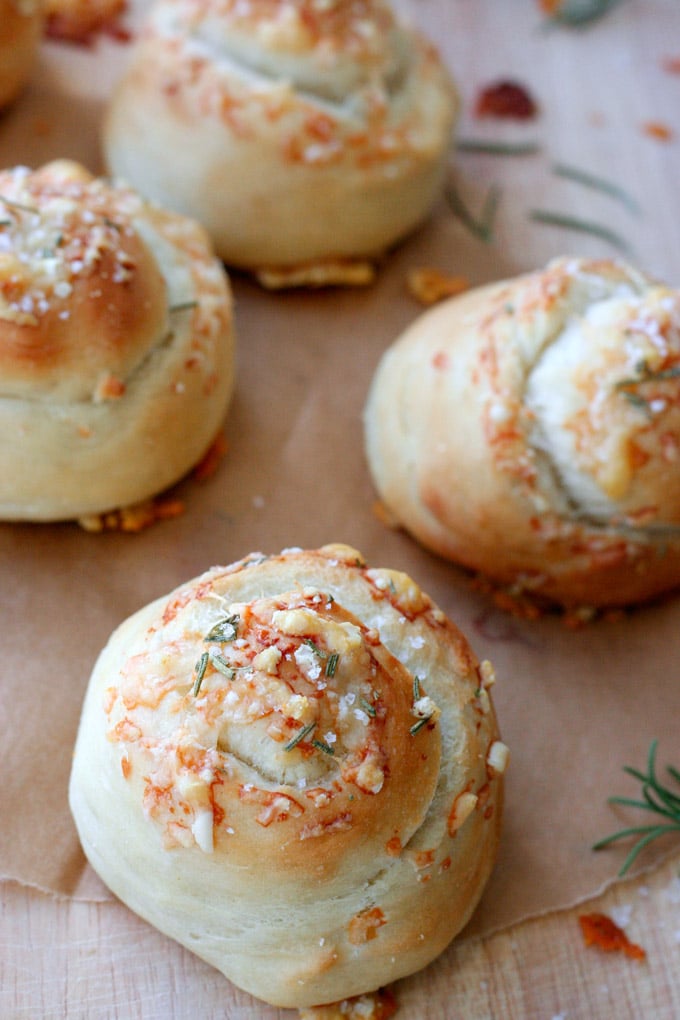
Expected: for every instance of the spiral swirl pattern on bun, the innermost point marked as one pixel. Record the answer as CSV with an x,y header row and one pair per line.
x,y
530,430
116,344
304,134
291,765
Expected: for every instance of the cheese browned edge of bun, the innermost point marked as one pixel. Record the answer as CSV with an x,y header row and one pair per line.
x,y
292,766
306,136
21,24
116,344
530,430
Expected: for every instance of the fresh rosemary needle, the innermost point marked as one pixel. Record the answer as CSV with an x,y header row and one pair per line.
x,y
554,219
656,798
595,182
299,736
491,148
481,227
201,667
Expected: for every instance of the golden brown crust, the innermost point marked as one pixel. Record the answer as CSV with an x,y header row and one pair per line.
x,y
530,430
273,766
21,24
115,344
301,132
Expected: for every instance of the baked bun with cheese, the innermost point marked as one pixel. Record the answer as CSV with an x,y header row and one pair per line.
x,y
291,765
21,23
116,345
306,135
530,430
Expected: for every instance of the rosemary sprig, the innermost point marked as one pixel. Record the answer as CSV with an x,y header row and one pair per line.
x,y
201,667
595,182
555,219
368,708
299,736
483,226
332,663
657,798
492,148
224,630
417,727
321,745
222,666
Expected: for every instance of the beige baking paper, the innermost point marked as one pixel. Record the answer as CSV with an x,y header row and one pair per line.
x,y
574,706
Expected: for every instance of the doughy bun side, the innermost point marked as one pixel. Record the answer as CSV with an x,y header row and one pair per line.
x,y
116,344
291,765
298,133
530,430
21,24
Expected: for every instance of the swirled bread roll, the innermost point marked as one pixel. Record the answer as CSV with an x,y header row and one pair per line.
x,y
291,765
304,134
116,345
530,430
21,23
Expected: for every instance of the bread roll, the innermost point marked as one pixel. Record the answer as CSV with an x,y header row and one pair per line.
x,y
304,134
291,765
21,23
116,345
530,430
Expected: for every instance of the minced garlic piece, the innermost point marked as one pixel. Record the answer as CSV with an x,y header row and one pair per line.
x,y
498,757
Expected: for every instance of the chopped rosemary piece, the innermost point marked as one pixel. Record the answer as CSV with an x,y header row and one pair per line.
x,y
183,306
201,667
416,688
321,745
657,798
225,629
332,663
572,173
315,648
554,219
368,708
497,148
299,736
5,223
222,666
481,228
417,727
646,375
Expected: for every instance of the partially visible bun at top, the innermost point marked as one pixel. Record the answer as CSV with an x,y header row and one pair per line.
x,y
21,24
116,345
306,135
530,430
291,765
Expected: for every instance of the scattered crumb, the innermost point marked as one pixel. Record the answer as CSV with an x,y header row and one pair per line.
x,y
431,285
384,515
207,467
136,518
339,273
599,930
655,129
671,65
378,1005
507,100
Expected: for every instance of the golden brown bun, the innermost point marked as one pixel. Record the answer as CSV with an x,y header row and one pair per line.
x,y
530,430
299,132
21,23
116,345
307,817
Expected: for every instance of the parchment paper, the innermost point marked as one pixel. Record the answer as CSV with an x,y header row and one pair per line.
x,y
574,706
